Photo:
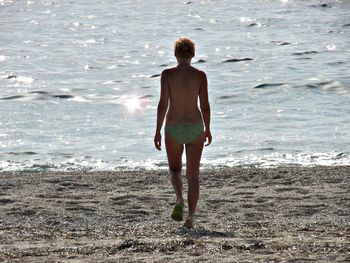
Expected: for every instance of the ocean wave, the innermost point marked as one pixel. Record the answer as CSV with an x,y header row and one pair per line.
x,y
39,95
232,60
267,85
330,86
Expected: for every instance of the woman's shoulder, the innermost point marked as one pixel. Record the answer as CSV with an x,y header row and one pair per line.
x,y
198,71
168,71
201,74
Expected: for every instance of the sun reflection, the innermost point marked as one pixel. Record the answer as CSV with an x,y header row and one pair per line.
x,y
135,104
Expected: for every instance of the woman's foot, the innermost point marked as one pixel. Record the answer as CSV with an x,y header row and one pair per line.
x,y
189,223
177,213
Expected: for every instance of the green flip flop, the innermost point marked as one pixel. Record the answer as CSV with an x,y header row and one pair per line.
x,y
177,213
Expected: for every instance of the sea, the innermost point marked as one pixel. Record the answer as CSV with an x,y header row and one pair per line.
x,y
80,81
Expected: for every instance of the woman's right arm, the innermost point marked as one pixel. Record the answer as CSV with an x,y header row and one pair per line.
x,y
162,108
205,106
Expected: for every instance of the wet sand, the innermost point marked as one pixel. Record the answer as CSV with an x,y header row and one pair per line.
x,y
285,214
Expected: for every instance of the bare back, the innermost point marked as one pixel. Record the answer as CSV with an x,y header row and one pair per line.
x,y
184,84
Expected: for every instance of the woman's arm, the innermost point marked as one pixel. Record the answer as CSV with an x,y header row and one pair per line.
x,y
162,108
205,106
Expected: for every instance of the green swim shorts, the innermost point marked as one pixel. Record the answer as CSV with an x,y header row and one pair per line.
x,y
184,133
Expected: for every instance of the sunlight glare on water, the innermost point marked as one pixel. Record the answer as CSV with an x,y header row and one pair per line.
x,y
136,104
133,104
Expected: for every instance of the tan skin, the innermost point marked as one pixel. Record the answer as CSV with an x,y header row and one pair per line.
x,y
181,87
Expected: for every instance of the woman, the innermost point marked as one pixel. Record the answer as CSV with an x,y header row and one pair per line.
x,y
181,87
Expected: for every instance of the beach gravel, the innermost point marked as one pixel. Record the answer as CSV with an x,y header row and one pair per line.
x,y
283,214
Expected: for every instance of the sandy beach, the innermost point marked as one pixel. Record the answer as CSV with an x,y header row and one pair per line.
x,y
285,214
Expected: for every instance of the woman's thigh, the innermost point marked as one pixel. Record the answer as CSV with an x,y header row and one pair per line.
x,y
193,156
174,153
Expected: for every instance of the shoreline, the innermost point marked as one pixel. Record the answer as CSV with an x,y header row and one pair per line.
x,y
280,214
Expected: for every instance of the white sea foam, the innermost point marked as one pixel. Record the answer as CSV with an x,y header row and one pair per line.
x,y
265,161
25,80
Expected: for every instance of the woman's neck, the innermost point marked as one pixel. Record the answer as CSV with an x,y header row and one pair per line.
x,y
182,61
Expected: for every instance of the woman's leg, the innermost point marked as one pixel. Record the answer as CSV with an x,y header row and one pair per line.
x,y
193,157
174,154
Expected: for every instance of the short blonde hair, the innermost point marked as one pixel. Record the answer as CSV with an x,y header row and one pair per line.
x,y
184,48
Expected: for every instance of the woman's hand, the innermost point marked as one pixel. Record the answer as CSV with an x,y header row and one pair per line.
x,y
157,140
208,137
